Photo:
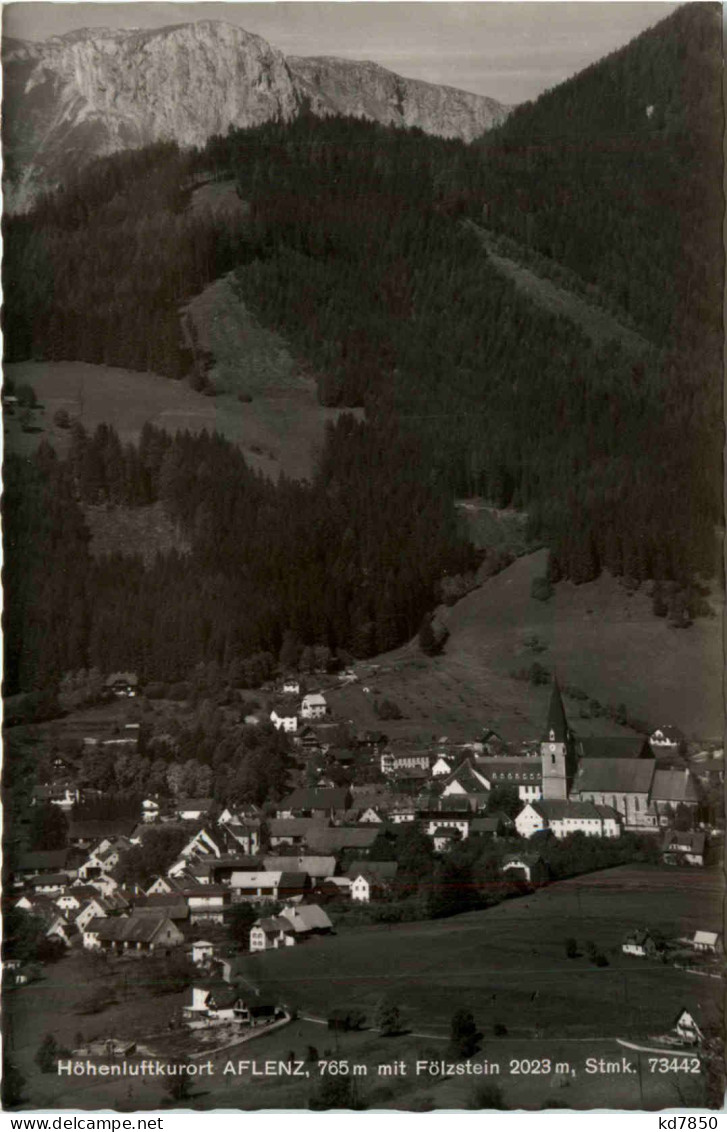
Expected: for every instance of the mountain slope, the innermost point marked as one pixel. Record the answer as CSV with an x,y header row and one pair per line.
x,y
366,90
97,91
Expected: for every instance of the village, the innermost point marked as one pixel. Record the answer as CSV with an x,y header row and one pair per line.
x,y
335,851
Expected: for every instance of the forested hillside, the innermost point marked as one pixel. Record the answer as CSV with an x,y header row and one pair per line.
x,y
350,561
358,247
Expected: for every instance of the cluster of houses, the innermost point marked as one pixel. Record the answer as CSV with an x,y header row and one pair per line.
x,y
314,845
286,717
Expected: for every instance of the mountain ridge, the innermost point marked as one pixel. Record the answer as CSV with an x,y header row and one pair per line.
x,y
95,91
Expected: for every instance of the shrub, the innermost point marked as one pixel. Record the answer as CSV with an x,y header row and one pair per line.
x,y
571,948
486,1096
47,1054
62,418
541,589
499,1030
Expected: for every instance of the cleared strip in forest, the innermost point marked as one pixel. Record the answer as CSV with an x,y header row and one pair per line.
x,y
598,324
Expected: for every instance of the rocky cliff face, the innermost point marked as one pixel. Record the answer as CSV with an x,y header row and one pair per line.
x,y
96,91
366,90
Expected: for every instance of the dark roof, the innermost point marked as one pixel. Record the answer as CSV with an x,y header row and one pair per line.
x,y
296,827
484,825
673,785
195,804
622,776
312,798
383,869
557,724
43,859
98,829
293,880
621,747
342,837
556,810
48,878
689,842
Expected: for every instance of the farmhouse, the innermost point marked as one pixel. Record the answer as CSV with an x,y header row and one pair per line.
x,y
315,802
133,933
707,941
122,683
525,866
672,787
192,809
683,848
283,720
313,706
271,932
639,942
293,831
215,1001
666,740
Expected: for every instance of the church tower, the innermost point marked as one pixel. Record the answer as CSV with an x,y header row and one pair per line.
x,y
557,750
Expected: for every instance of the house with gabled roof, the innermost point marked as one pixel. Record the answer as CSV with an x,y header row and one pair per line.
x,y
293,831
332,841
561,818
686,1027
666,740
525,866
371,880
683,847
271,932
327,803
672,787
313,706
132,933
707,941
466,779
307,920
639,942
194,809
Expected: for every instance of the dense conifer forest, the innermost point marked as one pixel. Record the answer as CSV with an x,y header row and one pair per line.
x,y
359,247
350,561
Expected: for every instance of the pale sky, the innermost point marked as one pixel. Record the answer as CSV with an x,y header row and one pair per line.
x,y
510,51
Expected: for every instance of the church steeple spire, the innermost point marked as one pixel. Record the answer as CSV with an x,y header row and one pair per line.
x,y
556,750
556,729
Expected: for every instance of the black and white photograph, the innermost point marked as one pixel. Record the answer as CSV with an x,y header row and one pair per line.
x,y
363,558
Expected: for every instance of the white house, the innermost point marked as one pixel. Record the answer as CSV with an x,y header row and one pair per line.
x,y
209,902
313,706
687,1029
639,942
259,885
707,941
291,686
271,932
284,722
442,766
150,810
666,739
192,809
202,952
563,818
459,824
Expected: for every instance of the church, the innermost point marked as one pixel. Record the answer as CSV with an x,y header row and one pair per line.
x,y
601,787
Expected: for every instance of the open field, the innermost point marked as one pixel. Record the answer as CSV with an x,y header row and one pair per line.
x,y
597,637
277,431
506,964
